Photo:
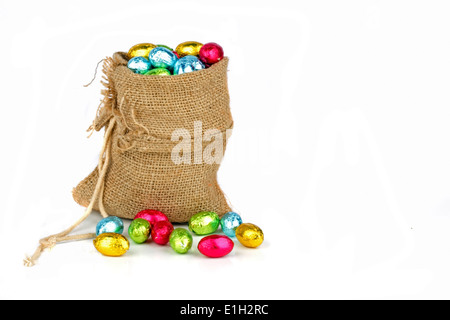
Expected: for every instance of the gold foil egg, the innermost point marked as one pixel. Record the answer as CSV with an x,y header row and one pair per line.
x,y
188,48
111,244
140,50
249,235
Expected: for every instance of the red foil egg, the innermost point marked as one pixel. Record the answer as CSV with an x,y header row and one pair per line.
x,y
152,216
215,246
161,231
210,53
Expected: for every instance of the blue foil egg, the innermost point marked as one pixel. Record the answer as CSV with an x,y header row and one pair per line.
x,y
187,64
139,65
161,57
109,224
229,222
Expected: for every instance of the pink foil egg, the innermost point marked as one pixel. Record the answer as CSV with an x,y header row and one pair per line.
x,y
210,53
152,216
215,246
161,231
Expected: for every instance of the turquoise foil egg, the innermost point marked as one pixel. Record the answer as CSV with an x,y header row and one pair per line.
x,y
139,65
187,64
110,224
229,223
161,57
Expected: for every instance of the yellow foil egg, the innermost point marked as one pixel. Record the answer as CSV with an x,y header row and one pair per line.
x,y
111,244
249,235
188,48
140,50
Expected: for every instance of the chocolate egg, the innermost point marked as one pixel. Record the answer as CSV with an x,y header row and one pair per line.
x,y
139,65
110,224
158,72
111,244
161,57
204,222
161,231
139,230
180,240
152,216
210,53
164,46
215,246
140,50
188,48
249,235
229,222
187,64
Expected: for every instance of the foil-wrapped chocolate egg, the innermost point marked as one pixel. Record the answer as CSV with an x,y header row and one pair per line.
x,y
164,46
161,57
158,72
215,246
152,216
249,235
180,240
188,48
187,64
140,50
229,222
139,230
109,224
205,222
139,65
161,231
210,53
111,244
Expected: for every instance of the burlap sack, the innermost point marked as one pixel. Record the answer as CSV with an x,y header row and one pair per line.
x,y
140,114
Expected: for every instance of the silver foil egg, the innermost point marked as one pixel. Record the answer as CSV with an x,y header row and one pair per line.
x,y
139,65
109,224
161,57
188,64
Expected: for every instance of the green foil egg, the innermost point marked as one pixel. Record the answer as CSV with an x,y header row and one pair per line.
x,y
158,72
164,46
204,222
180,240
139,230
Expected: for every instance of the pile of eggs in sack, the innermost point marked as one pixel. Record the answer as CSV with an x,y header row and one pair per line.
x,y
155,225
150,59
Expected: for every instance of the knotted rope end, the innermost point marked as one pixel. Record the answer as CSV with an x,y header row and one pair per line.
x,y
28,262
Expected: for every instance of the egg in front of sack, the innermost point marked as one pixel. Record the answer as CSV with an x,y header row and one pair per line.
x,y
205,222
188,48
161,231
111,244
187,64
229,222
139,65
249,235
152,216
215,246
140,50
110,224
139,230
180,240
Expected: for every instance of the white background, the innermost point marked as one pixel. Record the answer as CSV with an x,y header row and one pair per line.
x,y
340,151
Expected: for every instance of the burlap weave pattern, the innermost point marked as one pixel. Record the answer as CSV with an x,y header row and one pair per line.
x,y
147,110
